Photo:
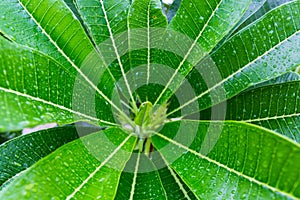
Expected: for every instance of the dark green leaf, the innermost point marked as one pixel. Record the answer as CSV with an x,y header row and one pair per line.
x,y
276,107
288,77
31,92
175,188
232,160
76,168
206,23
22,152
31,23
140,180
259,11
247,59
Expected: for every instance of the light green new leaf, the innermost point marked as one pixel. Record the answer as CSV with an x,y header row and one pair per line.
x,y
232,160
90,166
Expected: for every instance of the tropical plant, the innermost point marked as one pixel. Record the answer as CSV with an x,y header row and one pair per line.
x,y
196,102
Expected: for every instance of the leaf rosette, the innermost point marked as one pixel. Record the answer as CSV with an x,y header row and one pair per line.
x,y
202,105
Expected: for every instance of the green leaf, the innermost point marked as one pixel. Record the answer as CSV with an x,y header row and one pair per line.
x,y
253,8
260,10
76,168
210,20
100,60
72,6
146,183
275,107
154,17
31,92
144,114
104,21
57,36
22,152
232,161
246,60
15,21
287,77
143,182
206,23
175,188
65,33
104,18
144,29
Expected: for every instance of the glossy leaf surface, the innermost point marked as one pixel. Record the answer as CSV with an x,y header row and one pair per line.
x,y
22,152
123,65
250,166
75,168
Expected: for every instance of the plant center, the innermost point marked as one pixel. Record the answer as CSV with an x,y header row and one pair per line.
x,y
144,123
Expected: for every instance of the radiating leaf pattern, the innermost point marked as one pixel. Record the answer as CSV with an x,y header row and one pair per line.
x,y
65,61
